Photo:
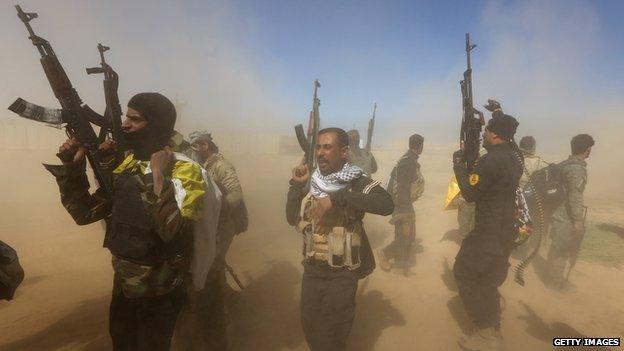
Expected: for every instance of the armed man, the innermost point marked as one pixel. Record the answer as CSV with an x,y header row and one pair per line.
x,y
337,253
358,156
208,305
406,185
150,219
482,262
532,162
568,219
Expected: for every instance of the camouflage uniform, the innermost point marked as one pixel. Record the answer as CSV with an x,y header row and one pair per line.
x,y
147,292
362,158
406,186
563,235
210,331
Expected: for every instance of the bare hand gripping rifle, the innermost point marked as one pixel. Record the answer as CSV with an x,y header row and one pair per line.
x,y
470,133
76,117
371,128
309,143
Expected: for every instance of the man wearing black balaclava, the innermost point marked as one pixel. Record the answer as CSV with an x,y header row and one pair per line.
x,y
483,259
149,222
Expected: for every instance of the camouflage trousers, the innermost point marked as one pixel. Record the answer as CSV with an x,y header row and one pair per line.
x,y
404,235
563,240
144,323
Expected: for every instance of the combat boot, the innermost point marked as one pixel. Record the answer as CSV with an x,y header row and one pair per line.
x,y
487,339
384,262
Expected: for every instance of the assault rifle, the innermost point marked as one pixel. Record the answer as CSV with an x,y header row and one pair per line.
x,y
470,133
76,117
371,128
309,143
112,114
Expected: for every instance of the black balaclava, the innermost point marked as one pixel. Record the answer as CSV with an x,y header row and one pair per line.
x,y
160,115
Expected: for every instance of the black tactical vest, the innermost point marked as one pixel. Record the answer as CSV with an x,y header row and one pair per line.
x,y
130,231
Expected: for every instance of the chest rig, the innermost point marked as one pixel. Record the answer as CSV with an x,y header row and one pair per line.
x,y
130,232
335,239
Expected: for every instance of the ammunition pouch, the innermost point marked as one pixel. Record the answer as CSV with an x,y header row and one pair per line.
x,y
337,246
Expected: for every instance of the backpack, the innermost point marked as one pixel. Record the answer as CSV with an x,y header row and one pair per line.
x,y
547,185
11,272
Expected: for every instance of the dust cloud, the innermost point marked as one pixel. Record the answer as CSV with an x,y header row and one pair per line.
x,y
205,64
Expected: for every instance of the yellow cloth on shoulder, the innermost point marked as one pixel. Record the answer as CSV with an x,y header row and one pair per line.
x,y
187,180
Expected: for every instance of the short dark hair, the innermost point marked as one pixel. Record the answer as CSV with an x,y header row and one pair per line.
x,y
527,143
343,138
416,141
581,143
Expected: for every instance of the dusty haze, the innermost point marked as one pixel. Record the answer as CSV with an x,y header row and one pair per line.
x,y
209,68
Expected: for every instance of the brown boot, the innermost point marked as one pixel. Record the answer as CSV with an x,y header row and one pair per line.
x,y
383,261
488,339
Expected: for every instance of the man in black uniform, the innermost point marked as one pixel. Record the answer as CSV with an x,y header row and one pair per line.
x,y
337,253
483,259
406,185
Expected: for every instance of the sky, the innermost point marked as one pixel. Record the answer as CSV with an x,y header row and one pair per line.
x,y
249,64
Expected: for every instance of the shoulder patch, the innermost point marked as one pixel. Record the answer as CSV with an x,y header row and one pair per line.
x,y
473,179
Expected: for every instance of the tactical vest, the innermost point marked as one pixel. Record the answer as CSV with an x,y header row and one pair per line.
x,y
417,187
130,232
335,239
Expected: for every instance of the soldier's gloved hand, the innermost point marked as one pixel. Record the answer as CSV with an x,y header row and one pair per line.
x,y
458,157
71,152
492,105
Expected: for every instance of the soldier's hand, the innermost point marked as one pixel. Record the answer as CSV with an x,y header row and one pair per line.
x,y
301,174
71,152
162,161
106,152
320,207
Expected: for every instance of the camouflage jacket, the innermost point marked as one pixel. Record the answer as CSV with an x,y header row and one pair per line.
x,y
172,214
574,176
222,172
363,159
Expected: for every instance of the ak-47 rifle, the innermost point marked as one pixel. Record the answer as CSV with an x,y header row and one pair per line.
x,y
76,117
112,114
371,128
470,133
309,143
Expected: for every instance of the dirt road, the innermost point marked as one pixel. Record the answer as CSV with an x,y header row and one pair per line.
x,y
62,304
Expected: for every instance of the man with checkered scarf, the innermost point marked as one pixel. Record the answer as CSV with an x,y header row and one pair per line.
x,y
328,206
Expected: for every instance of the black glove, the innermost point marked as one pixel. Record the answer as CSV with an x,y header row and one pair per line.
x,y
458,157
492,105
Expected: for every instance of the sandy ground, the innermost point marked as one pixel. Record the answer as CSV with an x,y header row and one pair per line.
x,y
63,302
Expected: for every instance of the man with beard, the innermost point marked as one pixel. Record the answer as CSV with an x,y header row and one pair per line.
x,y
329,213
483,259
207,328
406,185
568,220
357,156
150,218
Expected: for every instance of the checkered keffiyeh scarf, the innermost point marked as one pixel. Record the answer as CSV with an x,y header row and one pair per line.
x,y
321,185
